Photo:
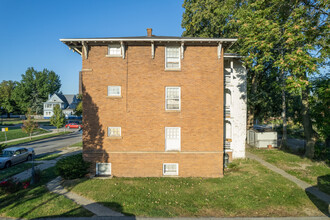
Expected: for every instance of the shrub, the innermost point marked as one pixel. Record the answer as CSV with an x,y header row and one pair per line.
x,y
10,186
37,175
72,167
323,183
2,147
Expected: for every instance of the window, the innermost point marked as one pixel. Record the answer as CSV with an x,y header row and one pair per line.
x,y
170,169
172,98
103,169
172,139
114,131
172,58
114,90
228,131
114,50
48,105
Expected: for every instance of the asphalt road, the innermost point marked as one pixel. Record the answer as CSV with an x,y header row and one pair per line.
x,y
53,144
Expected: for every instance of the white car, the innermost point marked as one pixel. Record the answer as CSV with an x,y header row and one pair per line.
x,y
15,155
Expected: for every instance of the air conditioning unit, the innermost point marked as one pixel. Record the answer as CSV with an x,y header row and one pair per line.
x,y
103,169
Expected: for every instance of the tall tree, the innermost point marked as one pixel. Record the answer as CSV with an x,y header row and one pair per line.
x,y
34,89
288,38
7,102
58,118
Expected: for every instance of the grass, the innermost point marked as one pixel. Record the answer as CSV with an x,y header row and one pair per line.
x,y
248,189
36,138
15,121
302,168
16,132
38,202
79,144
5,173
49,157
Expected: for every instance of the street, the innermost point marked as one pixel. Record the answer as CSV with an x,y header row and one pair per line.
x,y
50,145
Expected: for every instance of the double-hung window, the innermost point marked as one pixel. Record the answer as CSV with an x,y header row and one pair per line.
x,y
172,98
114,90
114,131
172,58
114,50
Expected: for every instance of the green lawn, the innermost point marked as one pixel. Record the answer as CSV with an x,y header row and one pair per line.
x,y
37,138
15,121
49,157
79,144
5,173
302,168
38,202
17,132
248,189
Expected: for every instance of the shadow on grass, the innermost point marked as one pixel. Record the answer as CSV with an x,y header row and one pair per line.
x,y
322,205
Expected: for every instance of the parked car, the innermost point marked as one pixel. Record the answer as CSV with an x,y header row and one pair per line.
x,y
73,125
15,155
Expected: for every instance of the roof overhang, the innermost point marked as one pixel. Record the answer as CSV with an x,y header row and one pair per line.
x,y
76,44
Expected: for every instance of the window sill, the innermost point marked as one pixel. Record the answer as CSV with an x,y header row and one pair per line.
x,y
114,138
173,151
113,55
114,97
169,110
172,70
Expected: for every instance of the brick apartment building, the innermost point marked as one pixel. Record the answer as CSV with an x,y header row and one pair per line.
x,y
154,106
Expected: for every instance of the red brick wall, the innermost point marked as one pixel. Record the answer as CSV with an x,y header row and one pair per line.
x,y
140,112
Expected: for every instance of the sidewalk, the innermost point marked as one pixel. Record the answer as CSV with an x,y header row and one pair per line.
x,y
303,185
53,131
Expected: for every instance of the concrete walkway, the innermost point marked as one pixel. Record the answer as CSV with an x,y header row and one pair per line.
x,y
303,185
92,206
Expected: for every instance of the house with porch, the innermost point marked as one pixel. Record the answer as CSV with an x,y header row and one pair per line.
x,y
161,106
68,104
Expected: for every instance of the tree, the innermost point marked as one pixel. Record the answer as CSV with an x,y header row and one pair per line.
x,y
34,89
79,108
29,125
6,96
58,118
284,38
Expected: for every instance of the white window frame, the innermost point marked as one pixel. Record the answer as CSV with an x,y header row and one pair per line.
x,y
97,169
179,58
109,128
115,46
114,95
166,130
171,173
172,87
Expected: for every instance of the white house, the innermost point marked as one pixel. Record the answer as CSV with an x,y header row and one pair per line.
x,y
68,104
235,106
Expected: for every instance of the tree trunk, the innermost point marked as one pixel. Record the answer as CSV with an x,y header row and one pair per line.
x,y
251,111
284,135
307,123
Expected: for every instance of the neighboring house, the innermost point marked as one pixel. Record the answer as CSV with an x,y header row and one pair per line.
x,y
155,106
68,104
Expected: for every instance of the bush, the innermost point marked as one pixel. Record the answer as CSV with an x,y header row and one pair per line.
x,y
37,175
10,186
323,183
322,152
2,147
72,167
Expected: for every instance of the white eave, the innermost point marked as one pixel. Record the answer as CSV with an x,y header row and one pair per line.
x,y
148,39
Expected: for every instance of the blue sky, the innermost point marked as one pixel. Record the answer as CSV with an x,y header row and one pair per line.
x,y
31,29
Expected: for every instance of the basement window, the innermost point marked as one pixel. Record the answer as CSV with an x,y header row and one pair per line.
x,y
114,50
103,169
172,58
171,169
